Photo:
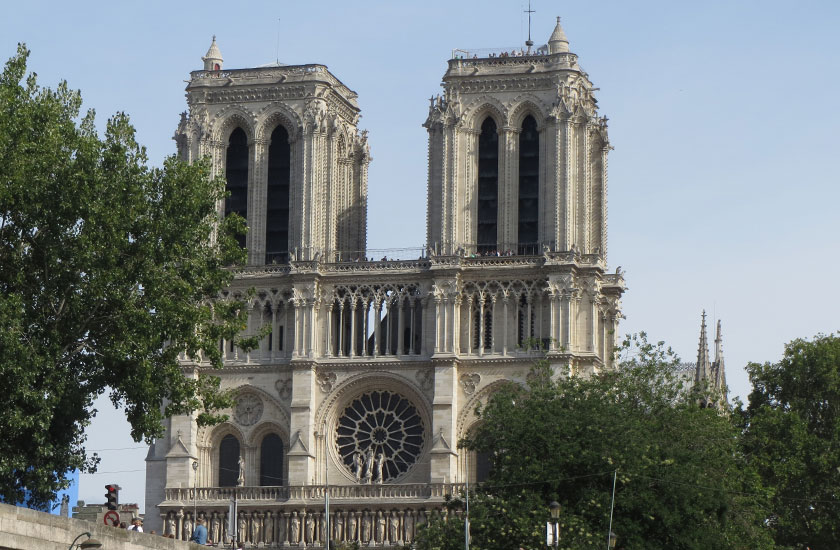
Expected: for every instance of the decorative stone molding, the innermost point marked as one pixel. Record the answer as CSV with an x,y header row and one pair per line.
x,y
425,379
469,382
284,388
326,381
248,409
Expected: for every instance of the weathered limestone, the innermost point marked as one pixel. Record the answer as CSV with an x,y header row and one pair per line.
x,y
390,358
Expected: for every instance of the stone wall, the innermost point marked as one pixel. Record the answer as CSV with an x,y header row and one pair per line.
x,y
24,529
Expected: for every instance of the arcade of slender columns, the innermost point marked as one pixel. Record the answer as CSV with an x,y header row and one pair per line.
x,y
354,327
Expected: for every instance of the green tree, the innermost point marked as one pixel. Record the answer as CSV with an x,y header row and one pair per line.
x,y
793,438
681,483
107,270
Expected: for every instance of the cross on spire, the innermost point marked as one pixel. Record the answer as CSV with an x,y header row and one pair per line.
x,y
529,11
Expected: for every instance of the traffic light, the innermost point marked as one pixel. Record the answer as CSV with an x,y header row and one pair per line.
x,y
112,496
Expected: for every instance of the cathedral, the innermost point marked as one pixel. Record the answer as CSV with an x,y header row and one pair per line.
x,y
372,369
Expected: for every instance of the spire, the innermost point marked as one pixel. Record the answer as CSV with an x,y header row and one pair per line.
x,y
703,370
719,368
213,58
558,43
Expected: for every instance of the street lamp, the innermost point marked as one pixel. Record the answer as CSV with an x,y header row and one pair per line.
x,y
195,490
554,509
89,544
613,539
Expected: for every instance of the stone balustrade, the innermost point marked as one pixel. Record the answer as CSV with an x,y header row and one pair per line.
x,y
381,515
208,496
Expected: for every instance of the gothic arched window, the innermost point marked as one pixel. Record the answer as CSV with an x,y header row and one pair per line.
x,y
529,186
236,174
228,461
488,186
271,460
483,466
277,204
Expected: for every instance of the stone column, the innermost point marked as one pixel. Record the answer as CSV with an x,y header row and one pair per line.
x,y
505,323
329,330
274,332
377,325
353,326
257,199
341,328
508,187
412,304
400,329
481,325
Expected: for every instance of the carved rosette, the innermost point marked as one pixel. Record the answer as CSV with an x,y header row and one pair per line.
x,y
248,410
326,381
469,382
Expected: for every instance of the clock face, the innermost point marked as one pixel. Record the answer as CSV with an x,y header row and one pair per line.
x,y
248,410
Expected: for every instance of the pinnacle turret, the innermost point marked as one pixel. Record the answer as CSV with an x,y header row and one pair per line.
x,y
703,371
718,366
558,43
213,58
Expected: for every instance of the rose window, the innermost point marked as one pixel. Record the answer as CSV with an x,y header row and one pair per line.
x,y
379,436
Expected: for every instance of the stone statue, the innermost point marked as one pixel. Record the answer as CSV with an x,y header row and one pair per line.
x,y
295,528
380,526
369,465
358,462
394,528
352,524
380,465
310,527
338,526
366,526
240,482
255,528
408,524
322,527
65,506
214,528
269,527
170,525
188,527
243,527
282,523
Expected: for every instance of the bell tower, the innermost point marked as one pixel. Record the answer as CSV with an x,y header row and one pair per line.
x,y
285,138
517,154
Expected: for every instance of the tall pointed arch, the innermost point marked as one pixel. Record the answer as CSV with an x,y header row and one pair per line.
x,y
529,187
488,187
236,176
277,200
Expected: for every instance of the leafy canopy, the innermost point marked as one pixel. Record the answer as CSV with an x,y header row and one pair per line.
x,y
681,483
107,268
793,438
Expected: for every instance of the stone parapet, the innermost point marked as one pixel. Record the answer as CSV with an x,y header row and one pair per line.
x,y
25,529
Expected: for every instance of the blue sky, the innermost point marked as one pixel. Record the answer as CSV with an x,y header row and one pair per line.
x,y
723,188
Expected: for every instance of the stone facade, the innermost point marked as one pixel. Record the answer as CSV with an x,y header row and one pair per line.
x,y
373,369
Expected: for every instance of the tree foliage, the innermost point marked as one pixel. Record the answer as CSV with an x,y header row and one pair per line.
x,y
681,482
793,439
106,271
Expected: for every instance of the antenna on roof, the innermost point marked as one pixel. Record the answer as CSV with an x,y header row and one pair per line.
x,y
277,50
529,11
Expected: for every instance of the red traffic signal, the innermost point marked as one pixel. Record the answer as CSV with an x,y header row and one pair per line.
x,y
112,496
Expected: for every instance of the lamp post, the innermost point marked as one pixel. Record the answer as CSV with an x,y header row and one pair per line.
x,y
195,491
554,508
89,544
613,539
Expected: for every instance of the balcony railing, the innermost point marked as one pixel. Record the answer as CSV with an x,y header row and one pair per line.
x,y
406,491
